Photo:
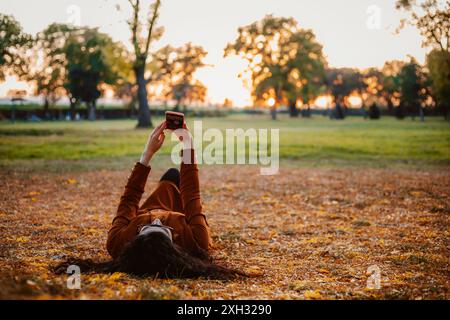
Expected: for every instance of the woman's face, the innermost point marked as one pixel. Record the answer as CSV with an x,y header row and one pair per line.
x,y
156,226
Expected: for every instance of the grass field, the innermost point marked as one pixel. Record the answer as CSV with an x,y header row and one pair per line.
x,y
317,141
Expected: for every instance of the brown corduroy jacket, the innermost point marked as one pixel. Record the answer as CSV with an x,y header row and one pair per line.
x,y
184,214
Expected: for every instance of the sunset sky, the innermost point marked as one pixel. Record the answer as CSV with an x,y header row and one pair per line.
x,y
340,26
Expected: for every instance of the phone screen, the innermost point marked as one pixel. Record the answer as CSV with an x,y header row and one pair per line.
x,y
174,120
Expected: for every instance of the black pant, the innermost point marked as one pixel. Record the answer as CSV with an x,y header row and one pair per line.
x,y
172,175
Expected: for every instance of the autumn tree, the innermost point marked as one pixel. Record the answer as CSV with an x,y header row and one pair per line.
x,y
285,62
227,103
275,86
412,88
12,41
341,82
432,19
370,93
174,69
390,84
306,70
438,64
125,88
93,58
47,63
142,34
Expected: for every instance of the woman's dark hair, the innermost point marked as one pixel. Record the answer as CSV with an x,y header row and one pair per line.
x,y
154,255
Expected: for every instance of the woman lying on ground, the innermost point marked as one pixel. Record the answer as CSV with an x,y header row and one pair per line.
x,y
168,235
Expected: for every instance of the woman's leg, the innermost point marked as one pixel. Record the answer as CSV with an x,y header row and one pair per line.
x,y
167,194
172,175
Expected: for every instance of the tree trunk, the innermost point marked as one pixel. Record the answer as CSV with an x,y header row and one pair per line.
x,y
72,109
390,107
102,113
13,113
445,111
46,109
144,117
293,111
414,111
132,105
306,112
91,110
273,113
421,114
177,106
340,113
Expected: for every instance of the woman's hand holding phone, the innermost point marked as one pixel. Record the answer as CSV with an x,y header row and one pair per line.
x,y
154,143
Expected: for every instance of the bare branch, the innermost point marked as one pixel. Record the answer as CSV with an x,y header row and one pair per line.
x,y
134,24
153,20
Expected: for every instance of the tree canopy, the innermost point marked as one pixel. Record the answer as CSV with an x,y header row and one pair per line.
x,y
432,18
93,58
413,87
390,81
47,62
286,62
12,41
174,68
438,64
342,82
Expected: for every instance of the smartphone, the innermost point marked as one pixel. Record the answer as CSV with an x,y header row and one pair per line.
x,y
174,120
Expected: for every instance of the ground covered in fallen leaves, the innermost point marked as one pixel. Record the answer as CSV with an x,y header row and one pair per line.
x,y
313,232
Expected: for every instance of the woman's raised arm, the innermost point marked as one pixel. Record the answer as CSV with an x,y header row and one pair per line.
x,y
190,194
129,201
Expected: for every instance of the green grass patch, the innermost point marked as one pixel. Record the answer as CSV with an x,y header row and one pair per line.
x,y
316,141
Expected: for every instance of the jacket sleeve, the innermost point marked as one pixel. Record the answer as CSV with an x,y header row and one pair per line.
x,y
192,206
128,206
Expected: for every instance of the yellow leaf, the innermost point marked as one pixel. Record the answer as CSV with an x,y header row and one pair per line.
x,y
310,294
313,240
254,271
22,239
71,181
39,264
273,234
299,285
397,281
116,276
324,271
416,193
408,274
